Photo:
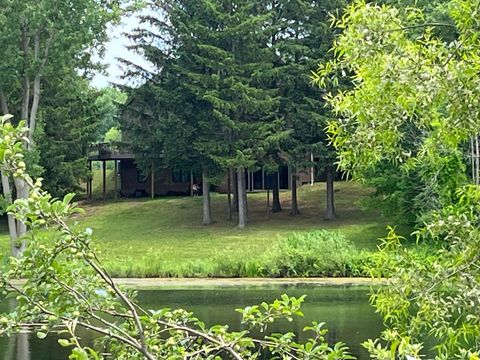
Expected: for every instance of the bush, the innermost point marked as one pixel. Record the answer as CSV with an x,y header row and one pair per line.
x,y
242,264
316,253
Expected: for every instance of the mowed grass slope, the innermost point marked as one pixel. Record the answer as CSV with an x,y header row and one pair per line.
x,y
160,237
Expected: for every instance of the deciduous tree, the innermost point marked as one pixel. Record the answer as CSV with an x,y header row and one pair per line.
x,y
414,105
37,38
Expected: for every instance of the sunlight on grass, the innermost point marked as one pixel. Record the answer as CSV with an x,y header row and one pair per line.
x,y
144,237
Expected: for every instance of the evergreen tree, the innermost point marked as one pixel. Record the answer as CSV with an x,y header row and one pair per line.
x,y
240,98
69,123
177,113
210,57
300,38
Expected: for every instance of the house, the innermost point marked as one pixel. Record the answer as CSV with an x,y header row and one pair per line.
x,y
132,182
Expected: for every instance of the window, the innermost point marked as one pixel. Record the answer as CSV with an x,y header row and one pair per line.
x,y
179,176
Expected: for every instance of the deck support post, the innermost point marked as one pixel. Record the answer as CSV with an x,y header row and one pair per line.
x,y
312,171
104,173
229,192
263,179
152,185
191,183
268,202
89,180
289,173
116,178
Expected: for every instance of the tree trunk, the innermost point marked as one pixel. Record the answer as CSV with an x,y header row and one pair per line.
x,y
330,212
235,191
294,211
3,102
207,219
229,195
22,190
32,117
32,120
26,79
33,112
12,223
16,229
242,204
245,202
276,207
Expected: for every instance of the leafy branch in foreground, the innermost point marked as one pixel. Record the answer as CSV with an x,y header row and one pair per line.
x,y
67,289
414,107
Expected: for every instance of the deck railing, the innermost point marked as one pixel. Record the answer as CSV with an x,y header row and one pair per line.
x,y
106,149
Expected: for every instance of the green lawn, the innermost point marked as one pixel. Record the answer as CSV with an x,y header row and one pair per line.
x,y
150,237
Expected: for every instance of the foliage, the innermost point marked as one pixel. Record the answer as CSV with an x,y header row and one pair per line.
x,y
43,37
205,67
41,40
68,125
300,37
67,288
109,103
413,101
414,105
435,297
113,135
316,253
435,12
231,89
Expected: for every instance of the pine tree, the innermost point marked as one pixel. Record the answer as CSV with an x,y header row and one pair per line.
x,y
210,59
68,125
300,38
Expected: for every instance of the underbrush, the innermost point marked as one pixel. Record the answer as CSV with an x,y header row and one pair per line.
x,y
318,253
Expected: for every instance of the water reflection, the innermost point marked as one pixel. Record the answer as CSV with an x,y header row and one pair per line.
x,y
16,347
346,311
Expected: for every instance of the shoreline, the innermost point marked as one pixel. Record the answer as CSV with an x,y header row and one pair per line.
x,y
159,283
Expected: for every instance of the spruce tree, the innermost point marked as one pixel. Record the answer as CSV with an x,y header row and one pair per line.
x,y
211,56
300,38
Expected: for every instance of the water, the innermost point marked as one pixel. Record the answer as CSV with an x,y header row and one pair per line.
x,y
345,310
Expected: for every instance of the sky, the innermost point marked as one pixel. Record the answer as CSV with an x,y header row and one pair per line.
x,y
115,48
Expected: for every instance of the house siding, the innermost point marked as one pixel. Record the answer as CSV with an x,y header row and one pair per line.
x,y
132,183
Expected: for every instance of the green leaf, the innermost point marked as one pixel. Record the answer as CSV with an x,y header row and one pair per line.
x,y
64,342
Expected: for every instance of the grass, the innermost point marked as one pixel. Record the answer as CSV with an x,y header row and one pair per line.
x,y
165,237
97,185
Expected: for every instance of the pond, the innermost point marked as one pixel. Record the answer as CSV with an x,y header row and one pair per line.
x,y
345,310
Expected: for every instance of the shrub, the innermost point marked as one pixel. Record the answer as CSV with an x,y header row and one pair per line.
x,y
315,253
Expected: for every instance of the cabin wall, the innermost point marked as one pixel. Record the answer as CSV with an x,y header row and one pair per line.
x,y
135,184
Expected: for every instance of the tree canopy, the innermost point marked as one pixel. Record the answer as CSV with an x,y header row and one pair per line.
x,y
232,87
413,101
414,106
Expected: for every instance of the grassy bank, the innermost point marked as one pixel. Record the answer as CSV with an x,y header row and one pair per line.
x,y
164,237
